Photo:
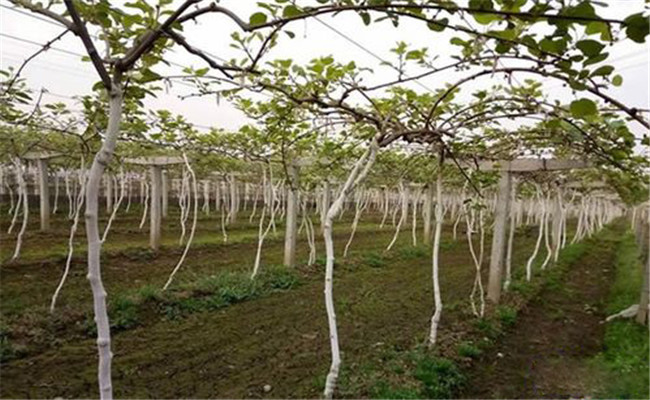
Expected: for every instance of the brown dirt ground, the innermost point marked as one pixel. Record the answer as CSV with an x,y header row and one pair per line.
x,y
280,340
547,353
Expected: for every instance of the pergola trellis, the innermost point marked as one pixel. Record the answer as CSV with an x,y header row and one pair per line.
x,y
156,165
42,161
502,212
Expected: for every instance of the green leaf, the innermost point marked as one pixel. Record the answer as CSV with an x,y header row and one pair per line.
x,y
637,27
365,17
414,55
646,140
590,47
438,25
457,41
485,18
582,108
257,19
596,59
503,47
617,80
603,71
291,11
553,46
599,27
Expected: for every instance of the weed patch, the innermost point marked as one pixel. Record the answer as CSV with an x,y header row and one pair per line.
x,y
625,358
440,377
412,253
469,350
507,315
374,260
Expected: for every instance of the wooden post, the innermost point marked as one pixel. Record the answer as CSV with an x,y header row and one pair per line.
x,y
155,211
291,218
498,240
165,194
44,191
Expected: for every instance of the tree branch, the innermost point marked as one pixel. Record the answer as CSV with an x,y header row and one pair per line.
x,y
81,31
38,9
147,39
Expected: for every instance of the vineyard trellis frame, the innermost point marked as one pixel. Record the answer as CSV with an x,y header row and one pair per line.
x,y
506,170
42,160
114,71
158,189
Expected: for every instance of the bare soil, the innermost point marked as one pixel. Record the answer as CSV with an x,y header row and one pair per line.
x,y
547,353
280,340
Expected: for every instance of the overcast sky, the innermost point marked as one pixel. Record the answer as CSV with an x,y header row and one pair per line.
x,y
64,75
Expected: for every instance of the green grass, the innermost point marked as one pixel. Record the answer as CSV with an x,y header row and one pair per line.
x,y
383,390
127,310
429,377
469,350
488,327
374,260
625,358
440,377
507,315
412,253
8,351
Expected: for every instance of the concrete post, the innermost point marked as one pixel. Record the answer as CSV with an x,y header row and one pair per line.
x,y
291,218
499,238
44,191
155,209
165,194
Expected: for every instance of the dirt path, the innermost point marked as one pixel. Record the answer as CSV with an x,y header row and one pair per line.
x,y
546,354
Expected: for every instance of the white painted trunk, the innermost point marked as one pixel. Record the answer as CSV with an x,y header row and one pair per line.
x,y
73,231
192,229
101,160
435,319
357,174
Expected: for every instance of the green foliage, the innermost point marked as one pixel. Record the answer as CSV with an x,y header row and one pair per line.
x,y
507,315
383,390
583,107
149,293
123,313
281,278
320,261
637,27
218,291
440,377
257,19
521,286
410,253
488,328
469,349
8,351
374,260
626,344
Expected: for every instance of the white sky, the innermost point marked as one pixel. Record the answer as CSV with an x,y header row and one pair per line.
x,y
66,75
